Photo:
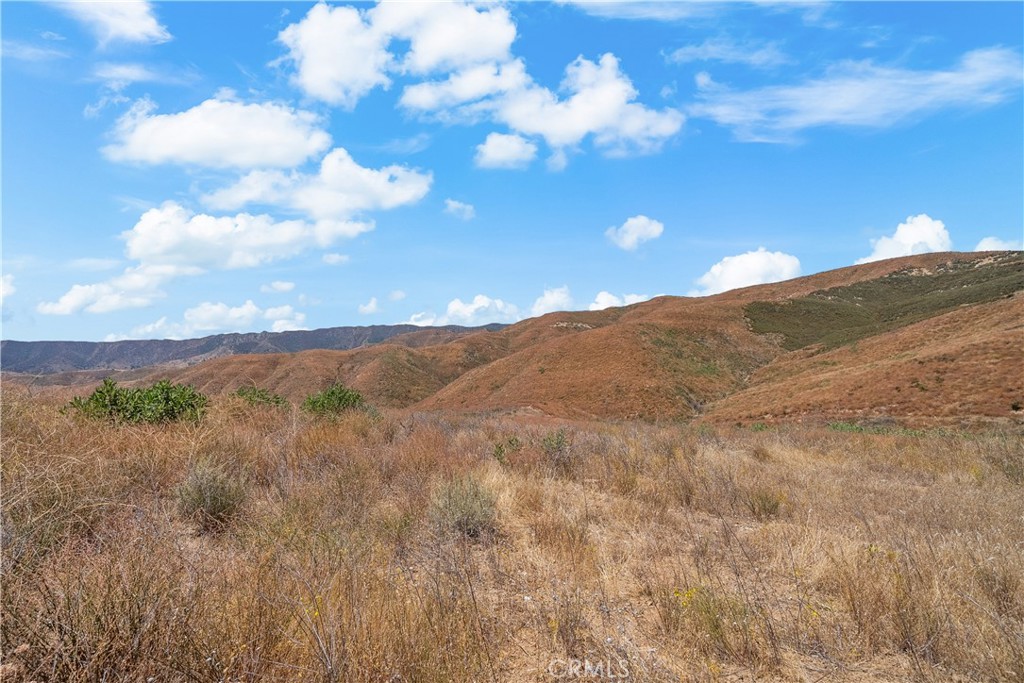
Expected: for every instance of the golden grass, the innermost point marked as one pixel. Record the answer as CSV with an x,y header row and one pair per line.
x,y
399,547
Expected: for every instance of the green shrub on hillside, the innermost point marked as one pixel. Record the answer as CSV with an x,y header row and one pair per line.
x,y
333,400
161,402
258,396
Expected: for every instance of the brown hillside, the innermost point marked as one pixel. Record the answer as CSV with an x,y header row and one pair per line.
x,y
964,363
676,357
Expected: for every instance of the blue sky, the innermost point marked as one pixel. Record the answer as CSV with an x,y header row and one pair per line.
x,y
188,168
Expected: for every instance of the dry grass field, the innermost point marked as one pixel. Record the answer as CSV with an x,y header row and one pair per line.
x,y
262,544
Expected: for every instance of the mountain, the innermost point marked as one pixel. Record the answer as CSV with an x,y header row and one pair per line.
x,y
46,357
935,337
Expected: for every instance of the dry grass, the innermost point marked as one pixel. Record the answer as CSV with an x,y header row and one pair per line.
x,y
401,547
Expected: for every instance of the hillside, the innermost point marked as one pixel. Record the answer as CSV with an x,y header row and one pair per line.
x,y
48,357
930,337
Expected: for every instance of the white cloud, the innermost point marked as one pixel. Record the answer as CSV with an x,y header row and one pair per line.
x,y
723,49
285,319
920,234
605,300
555,299
218,133
7,287
369,307
861,94
397,295
339,57
470,85
277,286
743,270
136,287
446,35
635,231
342,53
173,235
997,244
480,311
211,318
119,76
170,241
599,102
336,259
339,190
26,52
459,209
505,151
129,22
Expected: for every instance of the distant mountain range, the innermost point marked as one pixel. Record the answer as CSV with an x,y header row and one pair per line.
x,y
48,357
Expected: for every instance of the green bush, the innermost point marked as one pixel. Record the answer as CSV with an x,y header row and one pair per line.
x,y
257,396
502,449
161,402
464,506
210,496
557,446
333,400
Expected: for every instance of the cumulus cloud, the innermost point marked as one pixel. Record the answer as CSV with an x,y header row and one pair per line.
x,y
481,310
396,295
7,287
446,35
136,287
505,151
340,189
724,49
369,307
471,85
174,235
338,55
277,286
218,133
861,94
468,47
600,102
743,270
171,241
634,232
129,22
211,318
997,244
919,234
459,209
342,53
555,299
605,300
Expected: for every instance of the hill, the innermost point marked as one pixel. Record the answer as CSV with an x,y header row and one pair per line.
x,y
918,339
48,357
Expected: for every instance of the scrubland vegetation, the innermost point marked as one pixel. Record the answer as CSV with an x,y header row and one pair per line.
x,y
266,543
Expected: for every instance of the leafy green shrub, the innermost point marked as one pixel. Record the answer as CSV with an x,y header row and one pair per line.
x,y
161,402
210,496
463,505
333,400
258,396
